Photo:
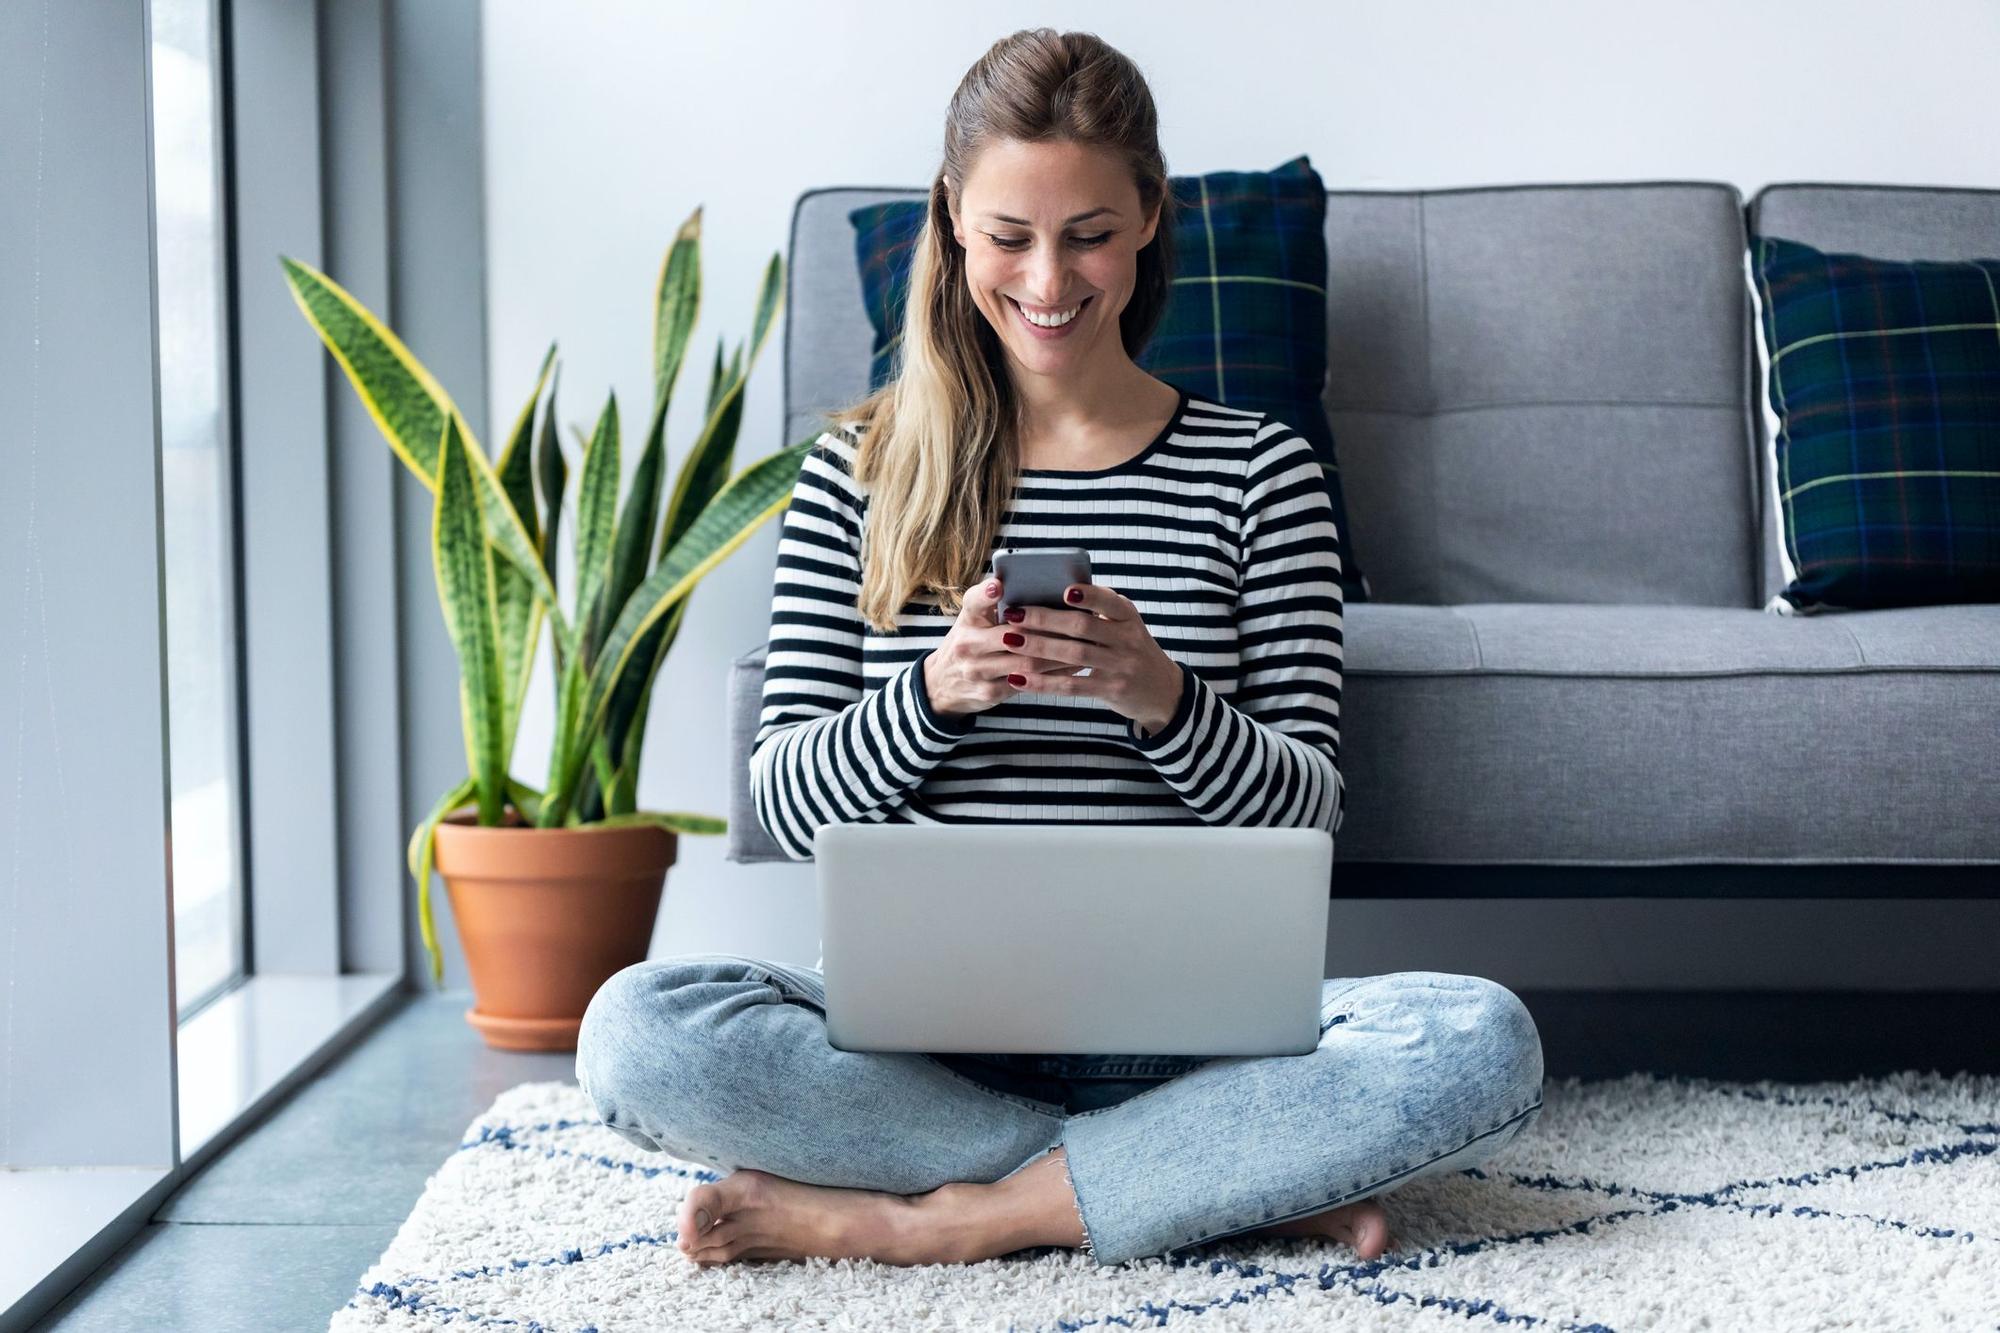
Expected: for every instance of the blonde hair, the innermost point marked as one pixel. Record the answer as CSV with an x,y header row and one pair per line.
x,y
937,446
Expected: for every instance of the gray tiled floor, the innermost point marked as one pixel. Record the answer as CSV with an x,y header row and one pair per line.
x,y
275,1231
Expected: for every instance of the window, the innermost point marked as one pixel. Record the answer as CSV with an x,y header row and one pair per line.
x,y
199,532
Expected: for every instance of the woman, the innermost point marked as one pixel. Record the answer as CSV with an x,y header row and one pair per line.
x,y
893,693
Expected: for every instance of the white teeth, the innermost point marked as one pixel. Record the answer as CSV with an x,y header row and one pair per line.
x,y
1049,321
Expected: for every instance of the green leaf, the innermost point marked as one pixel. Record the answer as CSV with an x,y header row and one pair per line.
x,y
635,693
410,407
423,846
677,821
715,381
676,304
632,546
770,299
464,566
519,614
596,522
526,799
554,473
571,686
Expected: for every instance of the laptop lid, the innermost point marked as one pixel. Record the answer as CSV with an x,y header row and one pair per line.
x,y
1087,939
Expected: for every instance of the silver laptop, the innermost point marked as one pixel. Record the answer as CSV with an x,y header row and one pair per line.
x,y
1087,939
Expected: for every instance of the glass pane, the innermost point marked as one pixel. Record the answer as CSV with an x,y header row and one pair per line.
x,y
195,477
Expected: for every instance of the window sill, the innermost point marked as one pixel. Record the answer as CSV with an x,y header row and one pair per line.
x,y
247,1047
235,1058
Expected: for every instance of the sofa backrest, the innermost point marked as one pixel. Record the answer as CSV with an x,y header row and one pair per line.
x,y
1538,393
1542,393
1887,222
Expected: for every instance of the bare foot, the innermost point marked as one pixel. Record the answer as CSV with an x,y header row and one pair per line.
x,y
751,1214
1362,1225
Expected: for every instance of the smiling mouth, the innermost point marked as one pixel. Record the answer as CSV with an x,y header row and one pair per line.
x,y
1079,308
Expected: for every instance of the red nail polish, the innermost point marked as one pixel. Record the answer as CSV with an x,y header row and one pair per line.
x,y
1013,640
1017,680
1076,594
1017,614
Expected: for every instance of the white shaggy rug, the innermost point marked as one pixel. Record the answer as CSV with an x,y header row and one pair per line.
x,y
1631,1203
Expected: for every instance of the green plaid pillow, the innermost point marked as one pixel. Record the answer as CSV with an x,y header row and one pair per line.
x,y
1245,323
1885,378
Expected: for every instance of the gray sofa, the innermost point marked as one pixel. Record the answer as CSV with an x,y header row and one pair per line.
x,y
1547,407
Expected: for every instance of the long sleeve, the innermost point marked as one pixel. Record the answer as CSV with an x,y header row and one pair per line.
x,y
825,751
1270,754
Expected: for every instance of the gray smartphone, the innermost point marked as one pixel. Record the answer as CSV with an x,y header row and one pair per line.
x,y
1037,576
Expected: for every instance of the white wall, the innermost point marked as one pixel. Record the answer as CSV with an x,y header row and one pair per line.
x,y
606,124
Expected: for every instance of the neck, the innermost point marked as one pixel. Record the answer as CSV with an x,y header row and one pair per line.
x,y
1070,408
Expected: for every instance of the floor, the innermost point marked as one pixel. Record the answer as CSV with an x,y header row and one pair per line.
x,y
275,1231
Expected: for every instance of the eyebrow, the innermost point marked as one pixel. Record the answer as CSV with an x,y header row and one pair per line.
x,y
1023,222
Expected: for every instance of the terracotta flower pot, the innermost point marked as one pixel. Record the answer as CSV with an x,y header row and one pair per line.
x,y
545,916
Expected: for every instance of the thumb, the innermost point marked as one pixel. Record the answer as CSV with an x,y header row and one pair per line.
x,y
980,601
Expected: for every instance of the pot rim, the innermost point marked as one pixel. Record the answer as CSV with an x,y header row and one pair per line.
x,y
584,853
465,819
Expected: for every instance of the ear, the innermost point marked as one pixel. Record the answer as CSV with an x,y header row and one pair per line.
x,y
951,206
1152,225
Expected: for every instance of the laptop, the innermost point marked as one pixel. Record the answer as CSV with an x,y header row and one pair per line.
x,y
1086,939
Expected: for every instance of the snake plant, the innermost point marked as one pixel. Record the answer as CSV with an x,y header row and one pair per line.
x,y
494,552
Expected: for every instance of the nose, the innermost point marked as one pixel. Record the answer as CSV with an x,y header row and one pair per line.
x,y
1048,279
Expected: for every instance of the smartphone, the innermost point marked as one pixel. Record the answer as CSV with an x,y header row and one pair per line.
x,y
1037,576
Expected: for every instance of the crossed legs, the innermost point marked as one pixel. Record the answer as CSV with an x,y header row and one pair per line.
x,y
894,1156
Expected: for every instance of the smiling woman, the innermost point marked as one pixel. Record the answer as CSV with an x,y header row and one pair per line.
x,y
1195,679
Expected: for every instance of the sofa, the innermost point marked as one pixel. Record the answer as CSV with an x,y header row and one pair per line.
x,y
1552,436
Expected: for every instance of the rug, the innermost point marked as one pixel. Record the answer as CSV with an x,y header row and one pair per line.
x,y
1641,1202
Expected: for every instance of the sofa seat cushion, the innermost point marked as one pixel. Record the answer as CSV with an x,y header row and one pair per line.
x,y
1557,733
1572,734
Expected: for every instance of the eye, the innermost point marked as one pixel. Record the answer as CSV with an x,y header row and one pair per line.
x,y
1087,242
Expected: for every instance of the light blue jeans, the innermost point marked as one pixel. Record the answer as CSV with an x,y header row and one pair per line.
x,y
724,1060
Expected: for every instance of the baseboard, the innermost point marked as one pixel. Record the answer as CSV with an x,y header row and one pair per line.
x,y
1792,1036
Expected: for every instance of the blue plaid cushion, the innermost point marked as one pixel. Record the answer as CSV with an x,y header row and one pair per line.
x,y
1245,323
1885,379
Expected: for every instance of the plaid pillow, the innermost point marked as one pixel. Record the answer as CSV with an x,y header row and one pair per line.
x,y
1885,379
1245,323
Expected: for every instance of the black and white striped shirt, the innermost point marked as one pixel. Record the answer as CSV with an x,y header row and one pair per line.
x,y
1221,533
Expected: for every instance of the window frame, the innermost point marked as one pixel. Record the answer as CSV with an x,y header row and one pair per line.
x,y
338,635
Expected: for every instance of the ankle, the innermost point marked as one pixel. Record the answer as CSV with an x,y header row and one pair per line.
x,y
953,1223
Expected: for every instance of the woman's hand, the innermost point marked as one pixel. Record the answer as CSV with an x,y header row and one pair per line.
x,y
968,672
1128,669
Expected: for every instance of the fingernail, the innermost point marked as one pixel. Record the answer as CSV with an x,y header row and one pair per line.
x,y
1076,594
701,1219
1012,640
1017,614
992,590
1017,680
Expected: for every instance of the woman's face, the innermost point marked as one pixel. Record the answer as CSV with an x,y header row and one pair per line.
x,y
1048,228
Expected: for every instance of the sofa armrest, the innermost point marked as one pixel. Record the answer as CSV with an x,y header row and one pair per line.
x,y
748,842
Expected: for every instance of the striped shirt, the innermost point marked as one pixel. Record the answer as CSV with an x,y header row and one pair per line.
x,y
1221,533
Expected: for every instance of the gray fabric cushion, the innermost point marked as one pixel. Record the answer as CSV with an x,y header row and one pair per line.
x,y
1887,221
1547,392
1569,734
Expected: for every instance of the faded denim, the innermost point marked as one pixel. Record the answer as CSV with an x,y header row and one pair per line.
x,y
723,1060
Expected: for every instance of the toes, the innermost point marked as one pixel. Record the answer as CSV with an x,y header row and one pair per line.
x,y
716,1241
1371,1234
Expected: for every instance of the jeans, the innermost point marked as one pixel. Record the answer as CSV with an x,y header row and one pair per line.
x,y
724,1060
